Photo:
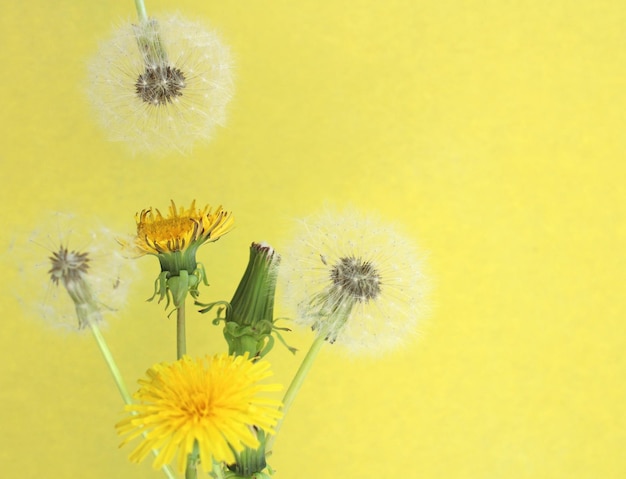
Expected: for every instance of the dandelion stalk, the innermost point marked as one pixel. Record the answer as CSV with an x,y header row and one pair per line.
x,y
71,269
296,384
141,10
217,472
108,358
191,472
119,382
181,338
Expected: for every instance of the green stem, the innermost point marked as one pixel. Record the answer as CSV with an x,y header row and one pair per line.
x,y
296,384
217,472
141,10
181,341
108,358
191,472
117,377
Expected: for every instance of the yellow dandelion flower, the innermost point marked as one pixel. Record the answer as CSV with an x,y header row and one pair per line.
x,y
174,239
210,404
181,230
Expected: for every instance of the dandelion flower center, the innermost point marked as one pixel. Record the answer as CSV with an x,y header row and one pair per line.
x,y
357,278
68,265
158,234
160,84
169,231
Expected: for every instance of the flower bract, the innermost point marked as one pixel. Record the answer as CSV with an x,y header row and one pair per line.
x,y
212,404
355,280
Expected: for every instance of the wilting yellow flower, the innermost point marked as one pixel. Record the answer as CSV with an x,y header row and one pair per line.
x,y
174,239
161,85
354,280
212,403
182,230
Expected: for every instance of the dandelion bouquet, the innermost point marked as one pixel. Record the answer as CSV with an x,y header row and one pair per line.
x,y
352,280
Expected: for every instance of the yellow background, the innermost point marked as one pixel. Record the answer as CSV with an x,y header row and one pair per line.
x,y
492,131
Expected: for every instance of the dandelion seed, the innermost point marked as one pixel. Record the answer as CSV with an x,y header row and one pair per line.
x,y
212,402
161,85
354,280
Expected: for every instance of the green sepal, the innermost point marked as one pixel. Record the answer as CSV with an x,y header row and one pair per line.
x,y
174,289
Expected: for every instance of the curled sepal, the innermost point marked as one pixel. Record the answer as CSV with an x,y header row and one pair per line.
x,y
160,289
175,288
257,339
249,338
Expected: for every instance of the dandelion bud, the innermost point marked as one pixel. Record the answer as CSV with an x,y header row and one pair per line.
x,y
249,318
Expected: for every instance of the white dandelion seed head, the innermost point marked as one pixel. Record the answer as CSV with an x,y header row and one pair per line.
x,y
166,100
60,257
348,259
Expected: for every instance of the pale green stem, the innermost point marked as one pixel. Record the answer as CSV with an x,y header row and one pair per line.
x,y
296,384
108,357
119,382
218,471
141,10
181,341
191,472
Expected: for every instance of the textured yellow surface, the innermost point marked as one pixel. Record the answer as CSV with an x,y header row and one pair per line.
x,y
492,131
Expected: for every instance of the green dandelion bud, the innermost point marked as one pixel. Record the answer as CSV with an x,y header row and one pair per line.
x,y
249,324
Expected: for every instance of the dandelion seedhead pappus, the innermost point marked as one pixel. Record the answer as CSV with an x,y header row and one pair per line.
x,y
355,280
161,85
82,278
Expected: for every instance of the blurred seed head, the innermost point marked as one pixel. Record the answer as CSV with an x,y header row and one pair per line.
x,y
71,272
